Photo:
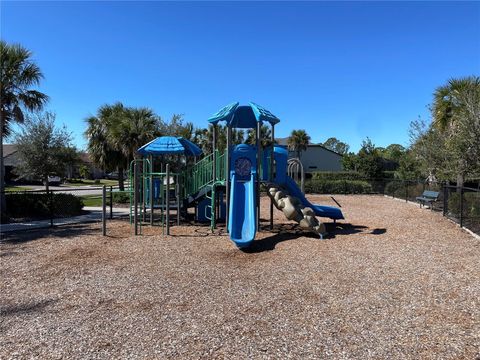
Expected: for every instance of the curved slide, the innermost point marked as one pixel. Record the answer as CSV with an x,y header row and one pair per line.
x,y
242,224
320,210
295,210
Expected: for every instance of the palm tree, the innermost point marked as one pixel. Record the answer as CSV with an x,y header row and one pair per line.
x,y
265,136
137,127
100,147
453,109
298,141
18,74
449,100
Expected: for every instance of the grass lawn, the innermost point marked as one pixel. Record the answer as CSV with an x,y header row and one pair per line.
x,y
84,182
16,188
92,200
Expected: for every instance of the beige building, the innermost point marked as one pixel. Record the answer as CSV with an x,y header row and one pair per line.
x,y
316,158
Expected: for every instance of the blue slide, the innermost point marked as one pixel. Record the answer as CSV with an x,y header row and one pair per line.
x,y
242,223
320,210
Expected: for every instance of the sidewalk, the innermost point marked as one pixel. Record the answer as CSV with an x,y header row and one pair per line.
x,y
95,214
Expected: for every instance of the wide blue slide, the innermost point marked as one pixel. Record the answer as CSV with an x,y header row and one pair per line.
x,y
242,220
320,210
242,217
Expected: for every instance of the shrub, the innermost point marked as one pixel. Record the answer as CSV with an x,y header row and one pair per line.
x,y
338,187
42,205
400,189
389,174
121,198
337,175
395,188
471,204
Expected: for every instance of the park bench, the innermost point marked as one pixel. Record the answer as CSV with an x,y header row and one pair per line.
x,y
428,198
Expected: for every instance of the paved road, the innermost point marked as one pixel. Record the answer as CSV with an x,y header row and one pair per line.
x,y
76,190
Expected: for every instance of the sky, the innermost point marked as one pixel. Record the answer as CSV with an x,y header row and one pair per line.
x,y
336,69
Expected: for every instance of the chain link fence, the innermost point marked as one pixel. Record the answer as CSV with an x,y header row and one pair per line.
x,y
32,209
459,204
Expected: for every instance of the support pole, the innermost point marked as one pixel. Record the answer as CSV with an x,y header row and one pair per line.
x,y
144,188
257,183
177,187
104,210
214,152
272,152
227,173
167,199
151,192
135,196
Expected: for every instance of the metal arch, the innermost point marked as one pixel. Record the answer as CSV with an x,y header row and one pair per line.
x,y
295,167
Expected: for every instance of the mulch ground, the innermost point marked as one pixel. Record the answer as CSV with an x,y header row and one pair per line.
x,y
391,281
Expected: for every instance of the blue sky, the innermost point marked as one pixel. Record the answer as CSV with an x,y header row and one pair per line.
x,y
348,70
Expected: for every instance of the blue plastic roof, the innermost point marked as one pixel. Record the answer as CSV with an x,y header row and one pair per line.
x,y
244,116
263,114
224,114
170,145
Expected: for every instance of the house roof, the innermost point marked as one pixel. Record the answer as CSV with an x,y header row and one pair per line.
x,y
85,157
284,141
9,149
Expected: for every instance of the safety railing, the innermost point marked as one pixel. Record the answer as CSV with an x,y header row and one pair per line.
x,y
201,174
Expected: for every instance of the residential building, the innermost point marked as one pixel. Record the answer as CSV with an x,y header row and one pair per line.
x,y
316,158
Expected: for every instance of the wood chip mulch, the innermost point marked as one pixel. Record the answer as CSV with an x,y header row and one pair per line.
x,y
391,281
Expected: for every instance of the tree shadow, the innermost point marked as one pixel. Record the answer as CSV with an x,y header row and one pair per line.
x,y
286,232
350,229
282,232
378,231
10,310
24,236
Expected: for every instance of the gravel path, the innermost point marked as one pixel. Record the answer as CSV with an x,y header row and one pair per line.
x,y
393,281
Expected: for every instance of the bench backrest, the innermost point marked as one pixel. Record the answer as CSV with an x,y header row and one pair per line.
x,y
430,194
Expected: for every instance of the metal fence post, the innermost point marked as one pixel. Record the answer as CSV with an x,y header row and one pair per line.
x,y
104,210
445,200
50,205
406,191
461,207
111,202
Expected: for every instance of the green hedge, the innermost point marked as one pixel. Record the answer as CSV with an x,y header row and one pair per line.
x,y
395,188
21,205
399,189
389,174
338,187
471,204
346,175
337,175
121,197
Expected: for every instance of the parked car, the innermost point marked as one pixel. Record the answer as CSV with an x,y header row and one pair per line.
x,y
53,180
114,175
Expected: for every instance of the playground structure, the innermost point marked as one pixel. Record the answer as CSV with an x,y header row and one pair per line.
x,y
222,186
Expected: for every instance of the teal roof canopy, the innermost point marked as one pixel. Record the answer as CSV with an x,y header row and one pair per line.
x,y
170,145
244,116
